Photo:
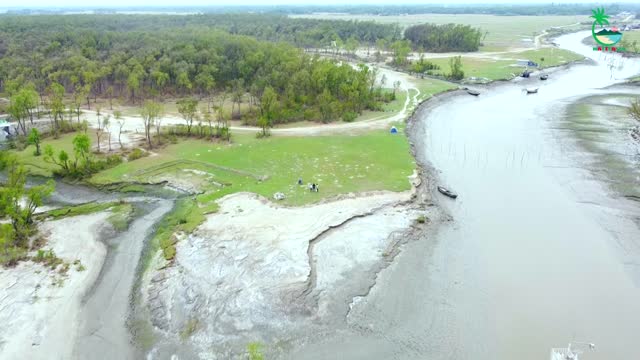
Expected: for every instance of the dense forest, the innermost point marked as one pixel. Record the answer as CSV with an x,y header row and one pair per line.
x,y
269,27
50,56
444,38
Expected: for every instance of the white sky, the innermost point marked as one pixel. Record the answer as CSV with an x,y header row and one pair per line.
x,y
156,3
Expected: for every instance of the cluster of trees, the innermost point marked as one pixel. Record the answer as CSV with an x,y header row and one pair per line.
x,y
83,163
443,38
51,56
18,203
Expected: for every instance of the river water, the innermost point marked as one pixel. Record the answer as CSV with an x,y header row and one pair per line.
x,y
539,252
538,242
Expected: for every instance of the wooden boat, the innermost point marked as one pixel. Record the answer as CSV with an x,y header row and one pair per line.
x,y
447,192
531,90
544,76
473,92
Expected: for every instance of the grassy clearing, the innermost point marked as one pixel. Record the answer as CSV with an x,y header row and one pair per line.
x,y
629,37
503,32
431,87
36,164
339,164
552,56
503,69
483,68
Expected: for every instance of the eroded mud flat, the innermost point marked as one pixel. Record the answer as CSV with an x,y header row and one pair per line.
x,y
39,307
258,272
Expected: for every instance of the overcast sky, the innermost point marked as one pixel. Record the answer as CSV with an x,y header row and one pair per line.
x,y
123,3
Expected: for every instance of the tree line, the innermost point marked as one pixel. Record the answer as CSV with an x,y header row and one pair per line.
x,y
50,57
444,38
268,27
495,9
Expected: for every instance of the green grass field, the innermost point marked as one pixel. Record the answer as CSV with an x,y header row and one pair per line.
x,y
503,32
628,38
503,68
36,164
430,87
339,164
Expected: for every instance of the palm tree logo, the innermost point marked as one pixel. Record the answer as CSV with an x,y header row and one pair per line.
x,y
604,36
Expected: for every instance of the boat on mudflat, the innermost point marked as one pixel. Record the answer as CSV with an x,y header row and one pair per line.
x,y
473,92
531,90
447,192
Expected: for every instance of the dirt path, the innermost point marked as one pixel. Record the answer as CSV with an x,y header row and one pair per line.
x,y
133,128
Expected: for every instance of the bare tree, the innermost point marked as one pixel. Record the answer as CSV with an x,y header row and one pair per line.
x,y
151,112
118,116
105,126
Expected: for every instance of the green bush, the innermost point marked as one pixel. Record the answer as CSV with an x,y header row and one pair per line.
x,y
12,255
136,154
349,116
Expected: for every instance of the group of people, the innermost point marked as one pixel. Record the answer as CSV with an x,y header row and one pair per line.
x,y
312,187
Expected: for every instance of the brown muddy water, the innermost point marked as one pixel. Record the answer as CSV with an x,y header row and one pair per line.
x,y
541,250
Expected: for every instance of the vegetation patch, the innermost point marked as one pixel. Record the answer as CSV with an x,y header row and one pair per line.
x,y
76,210
190,327
121,216
185,217
340,164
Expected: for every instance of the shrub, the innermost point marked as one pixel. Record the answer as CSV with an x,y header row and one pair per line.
x,y
254,351
349,116
12,255
136,153
311,115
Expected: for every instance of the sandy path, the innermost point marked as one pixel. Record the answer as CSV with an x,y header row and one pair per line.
x,y
39,319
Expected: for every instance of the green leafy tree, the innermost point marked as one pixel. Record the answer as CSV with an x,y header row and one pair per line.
x,y
19,203
56,95
268,110
188,108
455,64
34,139
401,50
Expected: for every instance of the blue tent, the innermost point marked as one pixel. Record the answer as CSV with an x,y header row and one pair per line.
x,y
393,130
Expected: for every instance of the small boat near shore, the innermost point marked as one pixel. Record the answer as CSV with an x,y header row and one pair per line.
x,y
447,192
531,90
544,76
473,92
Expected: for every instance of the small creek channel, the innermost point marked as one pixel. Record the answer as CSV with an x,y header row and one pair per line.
x,y
105,316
